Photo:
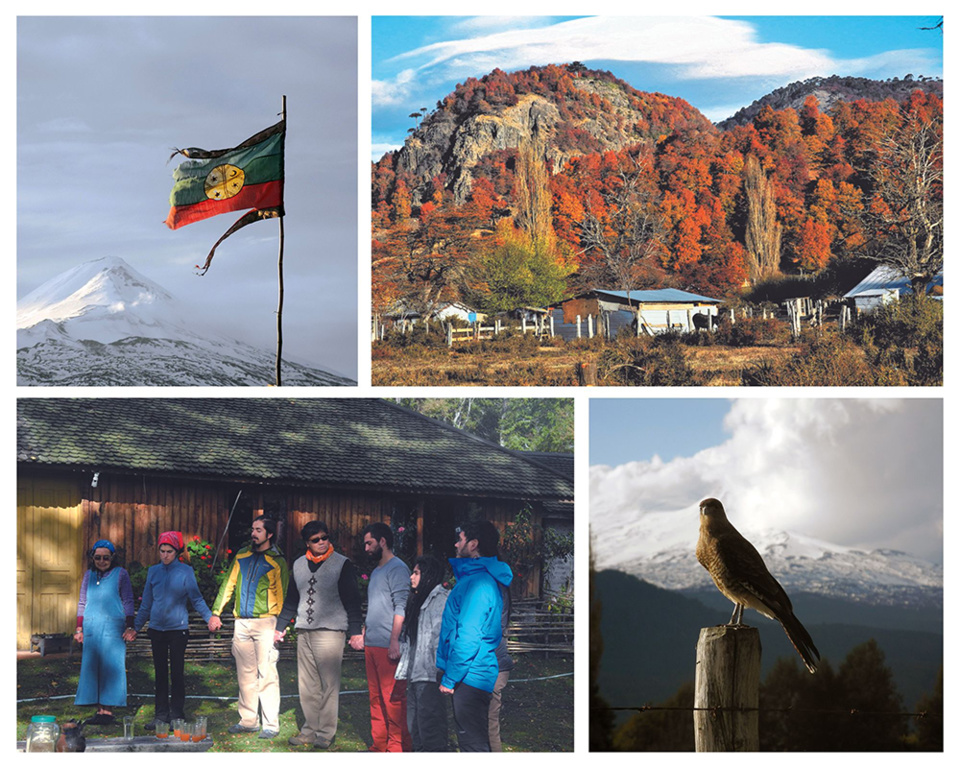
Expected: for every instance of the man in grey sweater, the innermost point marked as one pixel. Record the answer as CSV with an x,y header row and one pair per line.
x,y
386,605
324,598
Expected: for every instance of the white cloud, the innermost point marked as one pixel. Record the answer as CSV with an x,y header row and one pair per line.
x,y
856,472
705,46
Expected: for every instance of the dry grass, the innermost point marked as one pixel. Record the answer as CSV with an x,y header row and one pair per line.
x,y
548,366
722,366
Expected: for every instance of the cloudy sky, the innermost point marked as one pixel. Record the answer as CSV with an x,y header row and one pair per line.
x,y
101,102
718,64
864,473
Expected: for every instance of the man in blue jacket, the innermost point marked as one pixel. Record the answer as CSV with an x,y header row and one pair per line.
x,y
470,632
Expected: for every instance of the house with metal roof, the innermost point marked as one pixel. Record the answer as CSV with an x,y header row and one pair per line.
x,y
885,284
127,469
605,312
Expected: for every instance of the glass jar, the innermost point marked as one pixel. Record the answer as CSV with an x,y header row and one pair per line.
x,y
42,733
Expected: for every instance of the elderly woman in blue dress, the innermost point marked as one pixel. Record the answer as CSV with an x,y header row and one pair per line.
x,y
105,616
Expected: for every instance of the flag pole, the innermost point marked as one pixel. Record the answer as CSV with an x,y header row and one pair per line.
x,y
283,116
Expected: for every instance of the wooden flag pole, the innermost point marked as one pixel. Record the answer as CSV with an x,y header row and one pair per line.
x,y
283,116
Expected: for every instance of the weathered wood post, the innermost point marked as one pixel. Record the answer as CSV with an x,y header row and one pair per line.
x,y
579,332
587,374
449,334
551,325
589,326
727,694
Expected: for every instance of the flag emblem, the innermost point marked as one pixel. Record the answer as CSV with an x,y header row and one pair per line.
x,y
223,182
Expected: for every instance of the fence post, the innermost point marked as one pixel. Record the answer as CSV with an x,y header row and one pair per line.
x,y
727,695
449,334
551,325
589,326
587,374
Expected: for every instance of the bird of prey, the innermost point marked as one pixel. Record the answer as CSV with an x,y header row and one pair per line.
x,y
740,574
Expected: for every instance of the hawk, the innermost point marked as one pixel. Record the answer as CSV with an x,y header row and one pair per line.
x,y
739,572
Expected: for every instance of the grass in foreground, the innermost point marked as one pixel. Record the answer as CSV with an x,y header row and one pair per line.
x,y
537,715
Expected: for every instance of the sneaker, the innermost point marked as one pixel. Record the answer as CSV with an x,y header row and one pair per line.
x,y
268,734
241,728
299,741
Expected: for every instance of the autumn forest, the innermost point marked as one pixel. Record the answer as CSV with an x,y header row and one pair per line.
x,y
629,190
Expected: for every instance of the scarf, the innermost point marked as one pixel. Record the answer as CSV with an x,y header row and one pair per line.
x,y
319,558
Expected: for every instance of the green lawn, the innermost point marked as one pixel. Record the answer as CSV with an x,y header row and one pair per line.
x,y
537,715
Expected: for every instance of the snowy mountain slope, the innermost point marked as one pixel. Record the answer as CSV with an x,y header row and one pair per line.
x,y
104,324
658,547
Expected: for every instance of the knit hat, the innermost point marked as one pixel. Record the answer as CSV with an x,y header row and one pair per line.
x,y
173,538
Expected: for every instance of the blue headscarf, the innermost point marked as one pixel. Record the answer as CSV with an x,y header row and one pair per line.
x,y
105,545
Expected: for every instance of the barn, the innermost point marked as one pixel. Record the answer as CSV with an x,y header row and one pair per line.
x,y
127,469
883,285
605,312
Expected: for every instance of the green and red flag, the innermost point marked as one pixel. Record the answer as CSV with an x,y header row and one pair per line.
x,y
248,176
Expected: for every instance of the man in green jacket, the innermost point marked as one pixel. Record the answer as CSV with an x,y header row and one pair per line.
x,y
257,580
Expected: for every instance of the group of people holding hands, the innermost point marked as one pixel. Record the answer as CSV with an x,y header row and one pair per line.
x,y
423,644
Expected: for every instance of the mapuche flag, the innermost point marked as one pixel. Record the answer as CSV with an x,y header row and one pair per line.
x,y
248,176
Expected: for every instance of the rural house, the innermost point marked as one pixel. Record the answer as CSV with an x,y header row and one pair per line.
x,y
883,285
127,469
604,312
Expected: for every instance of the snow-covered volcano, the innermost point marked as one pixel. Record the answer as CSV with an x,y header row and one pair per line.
x,y
104,324
659,547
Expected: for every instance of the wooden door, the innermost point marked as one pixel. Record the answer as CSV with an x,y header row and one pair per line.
x,y
50,556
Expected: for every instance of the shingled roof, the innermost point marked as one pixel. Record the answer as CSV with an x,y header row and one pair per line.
x,y
340,442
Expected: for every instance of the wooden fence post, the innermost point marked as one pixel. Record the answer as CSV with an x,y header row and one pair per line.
x,y
449,334
587,374
579,332
727,690
589,326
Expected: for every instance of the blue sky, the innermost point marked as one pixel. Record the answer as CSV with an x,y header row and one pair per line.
x,y
718,64
630,429
100,103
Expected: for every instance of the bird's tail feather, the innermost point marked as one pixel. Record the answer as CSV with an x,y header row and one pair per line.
x,y
801,640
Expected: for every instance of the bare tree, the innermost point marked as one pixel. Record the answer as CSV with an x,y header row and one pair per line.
x,y
533,189
763,231
906,211
629,234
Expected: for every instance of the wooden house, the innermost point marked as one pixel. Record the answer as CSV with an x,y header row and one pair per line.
x,y
127,469
602,312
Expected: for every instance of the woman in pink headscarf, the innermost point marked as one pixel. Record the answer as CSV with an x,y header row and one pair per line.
x,y
170,589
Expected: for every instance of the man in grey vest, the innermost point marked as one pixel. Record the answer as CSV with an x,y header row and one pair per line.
x,y
324,598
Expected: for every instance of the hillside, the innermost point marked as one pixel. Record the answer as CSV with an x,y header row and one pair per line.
x,y
573,110
650,637
832,90
523,188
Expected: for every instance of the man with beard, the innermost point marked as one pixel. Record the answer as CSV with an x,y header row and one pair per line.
x,y
471,631
386,604
324,598
258,579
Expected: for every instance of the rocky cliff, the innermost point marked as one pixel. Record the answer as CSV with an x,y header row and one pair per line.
x,y
571,110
